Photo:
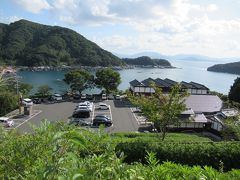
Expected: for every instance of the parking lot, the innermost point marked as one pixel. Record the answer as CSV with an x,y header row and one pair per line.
x,y
119,111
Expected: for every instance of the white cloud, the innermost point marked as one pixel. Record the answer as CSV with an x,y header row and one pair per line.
x,y
9,19
167,26
212,7
33,6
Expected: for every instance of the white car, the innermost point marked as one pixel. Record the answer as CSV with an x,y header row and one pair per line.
x,y
104,96
83,108
83,96
27,102
85,105
118,97
6,121
103,106
57,97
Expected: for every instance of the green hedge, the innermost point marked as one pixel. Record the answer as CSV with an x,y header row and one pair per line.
x,y
210,154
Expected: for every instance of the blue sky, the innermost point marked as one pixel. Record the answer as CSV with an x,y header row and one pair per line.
x,y
206,27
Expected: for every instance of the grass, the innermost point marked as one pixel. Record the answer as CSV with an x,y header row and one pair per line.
x,y
156,137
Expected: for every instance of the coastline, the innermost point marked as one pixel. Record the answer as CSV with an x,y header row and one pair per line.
x,y
66,68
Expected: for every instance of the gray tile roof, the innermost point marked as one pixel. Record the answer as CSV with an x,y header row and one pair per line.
x,y
204,103
200,118
186,85
136,83
162,83
168,83
148,81
198,86
171,82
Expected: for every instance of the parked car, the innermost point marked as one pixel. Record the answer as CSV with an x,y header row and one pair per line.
x,y
79,122
85,105
118,97
103,116
110,96
89,96
85,108
6,122
76,96
104,96
57,97
81,113
83,97
27,102
37,101
101,120
103,106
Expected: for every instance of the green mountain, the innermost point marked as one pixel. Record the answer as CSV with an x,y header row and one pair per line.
x,y
146,61
233,68
31,44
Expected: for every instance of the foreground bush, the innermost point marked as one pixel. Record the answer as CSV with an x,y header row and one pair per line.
x,y
64,152
212,154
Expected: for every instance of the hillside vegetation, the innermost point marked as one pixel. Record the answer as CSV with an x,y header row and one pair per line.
x,y
27,43
233,68
146,61
58,151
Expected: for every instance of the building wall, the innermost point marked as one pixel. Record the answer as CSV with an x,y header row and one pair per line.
x,y
217,126
142,89
188,125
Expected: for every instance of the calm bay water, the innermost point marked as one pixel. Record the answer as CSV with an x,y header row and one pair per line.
x,y
186,71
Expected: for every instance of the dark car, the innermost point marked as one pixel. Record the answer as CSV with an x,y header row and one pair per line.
x,y
81,114
89,97
79,122
103,116
98,120
76,96
37,101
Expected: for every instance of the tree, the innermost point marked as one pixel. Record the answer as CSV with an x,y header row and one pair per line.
x,y
234,93
44,90
8,102
25,88
107,79
79,80
231,130
161,109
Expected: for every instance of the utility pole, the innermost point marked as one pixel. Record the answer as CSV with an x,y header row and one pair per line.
x,y
18,94
17,84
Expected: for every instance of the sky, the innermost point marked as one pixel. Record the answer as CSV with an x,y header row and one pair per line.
x,y
170,27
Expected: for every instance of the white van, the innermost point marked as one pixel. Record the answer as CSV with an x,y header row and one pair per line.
x,y
57,97
83,97
104,96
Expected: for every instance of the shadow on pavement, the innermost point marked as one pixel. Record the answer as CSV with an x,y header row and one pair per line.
x,y
122,103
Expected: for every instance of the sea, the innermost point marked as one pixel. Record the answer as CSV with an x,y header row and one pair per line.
x,y
185,70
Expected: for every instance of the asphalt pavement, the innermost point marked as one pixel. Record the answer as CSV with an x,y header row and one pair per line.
x,y
122,117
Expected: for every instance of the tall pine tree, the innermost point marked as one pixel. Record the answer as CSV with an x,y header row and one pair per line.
x,y
234,93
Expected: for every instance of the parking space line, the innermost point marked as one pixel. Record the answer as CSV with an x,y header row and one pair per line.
x,y
110,111
93,112
28,119
134,115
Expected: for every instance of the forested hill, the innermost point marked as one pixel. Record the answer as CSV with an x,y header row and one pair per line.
x,y
146,61
233,68
31,44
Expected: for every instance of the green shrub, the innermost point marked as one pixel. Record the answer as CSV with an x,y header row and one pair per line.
x,y
59,151
203,154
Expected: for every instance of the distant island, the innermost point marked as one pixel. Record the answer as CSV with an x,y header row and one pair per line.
x,y
145,61
233,68
25,43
